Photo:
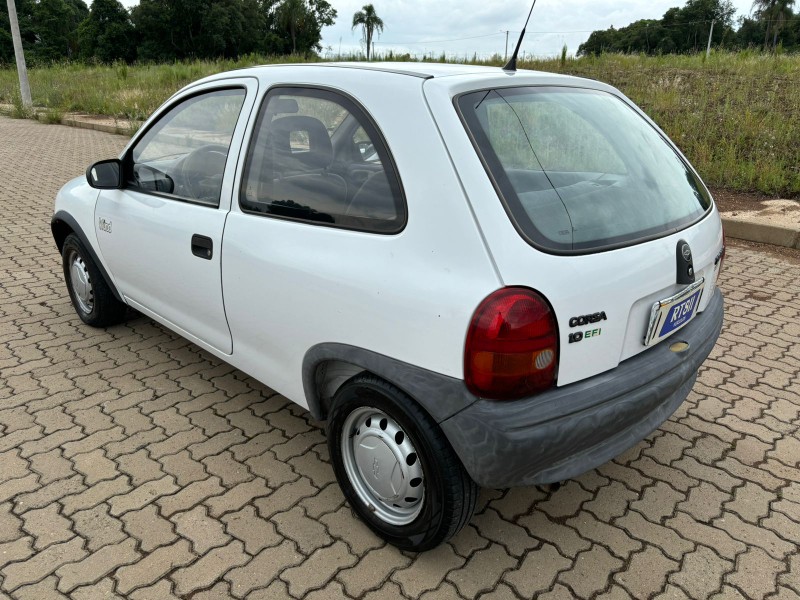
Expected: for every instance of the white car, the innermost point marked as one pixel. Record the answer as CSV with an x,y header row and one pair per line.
x,y
476,277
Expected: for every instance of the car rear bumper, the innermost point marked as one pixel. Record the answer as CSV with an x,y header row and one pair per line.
x,y
569,430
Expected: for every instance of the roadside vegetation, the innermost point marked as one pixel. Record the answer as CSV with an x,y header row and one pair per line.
x,y
735,115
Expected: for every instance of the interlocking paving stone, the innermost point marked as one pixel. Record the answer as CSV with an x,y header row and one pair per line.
x,y
646,573
97,565
210,568
591,572
204,533
154,566
255,533
702,572
47,526
149,528
135,465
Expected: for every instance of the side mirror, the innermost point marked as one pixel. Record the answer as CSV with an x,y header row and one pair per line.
x,y
105,174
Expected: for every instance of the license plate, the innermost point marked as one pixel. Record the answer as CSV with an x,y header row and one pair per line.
x,y
669,315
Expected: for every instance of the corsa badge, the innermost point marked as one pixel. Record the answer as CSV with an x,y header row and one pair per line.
x,y
104,225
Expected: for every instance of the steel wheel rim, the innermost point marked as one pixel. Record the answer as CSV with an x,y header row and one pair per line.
x,y
81,283
383,466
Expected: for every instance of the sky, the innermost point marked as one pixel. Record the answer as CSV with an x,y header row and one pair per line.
x,y
465,27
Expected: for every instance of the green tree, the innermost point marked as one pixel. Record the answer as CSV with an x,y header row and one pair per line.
x,y
179,29
296,25
6,44
369,22
679,30
49,28
775,14
107,33
291,16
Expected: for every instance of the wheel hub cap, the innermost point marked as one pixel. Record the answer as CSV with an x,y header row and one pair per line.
x,y
382,464
81,284
379,467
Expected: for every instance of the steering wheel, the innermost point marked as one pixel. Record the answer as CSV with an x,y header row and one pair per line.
x,y
202,169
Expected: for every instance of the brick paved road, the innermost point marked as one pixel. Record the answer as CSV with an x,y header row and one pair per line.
x,y
132,464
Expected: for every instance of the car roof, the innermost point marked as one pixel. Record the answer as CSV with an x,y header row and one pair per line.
x,y
422,70
418,69
455,78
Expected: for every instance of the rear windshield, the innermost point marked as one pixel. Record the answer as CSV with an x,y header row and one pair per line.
x,y
580,170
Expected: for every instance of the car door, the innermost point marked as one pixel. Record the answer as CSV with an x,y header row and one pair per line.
x,y
294,250
161,235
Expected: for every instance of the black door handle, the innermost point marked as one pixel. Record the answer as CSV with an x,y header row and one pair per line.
x,y
202,246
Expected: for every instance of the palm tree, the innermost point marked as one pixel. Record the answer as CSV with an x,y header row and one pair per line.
x,y
774,13
370,23
291,15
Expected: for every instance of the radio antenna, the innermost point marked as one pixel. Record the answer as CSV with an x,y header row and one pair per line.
x,y
511,65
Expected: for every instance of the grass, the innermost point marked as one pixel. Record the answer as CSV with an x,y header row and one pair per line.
x,y
735,115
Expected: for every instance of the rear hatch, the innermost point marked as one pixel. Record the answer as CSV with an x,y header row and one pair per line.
x,y
583,199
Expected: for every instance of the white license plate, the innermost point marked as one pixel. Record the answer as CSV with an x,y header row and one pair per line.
x,y
669,315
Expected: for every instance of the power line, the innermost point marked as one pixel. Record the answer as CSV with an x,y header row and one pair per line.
x,y
504,32
474,37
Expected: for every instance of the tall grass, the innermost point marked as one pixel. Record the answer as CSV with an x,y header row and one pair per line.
x,y
735,115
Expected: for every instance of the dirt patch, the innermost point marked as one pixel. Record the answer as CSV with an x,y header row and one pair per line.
x,y
728,201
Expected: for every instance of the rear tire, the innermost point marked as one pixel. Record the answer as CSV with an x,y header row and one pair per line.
x,y
395,466
91,295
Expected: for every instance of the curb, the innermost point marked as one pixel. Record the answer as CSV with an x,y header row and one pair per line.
x,y
81,121
80,124
764,233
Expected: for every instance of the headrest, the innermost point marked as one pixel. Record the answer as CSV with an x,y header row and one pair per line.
x,y
320,150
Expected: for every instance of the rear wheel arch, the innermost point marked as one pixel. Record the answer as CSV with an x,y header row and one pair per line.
x,y
376,429
329,376
328,366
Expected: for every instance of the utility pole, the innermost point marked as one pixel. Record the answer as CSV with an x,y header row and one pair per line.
x,y
506,58
710,33
22,71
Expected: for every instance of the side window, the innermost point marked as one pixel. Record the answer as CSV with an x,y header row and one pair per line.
x,y
316,157
184,153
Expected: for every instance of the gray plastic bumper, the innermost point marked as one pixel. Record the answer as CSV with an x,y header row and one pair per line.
x,y
569,430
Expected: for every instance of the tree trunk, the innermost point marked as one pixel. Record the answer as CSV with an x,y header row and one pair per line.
x,y
369,41
766,36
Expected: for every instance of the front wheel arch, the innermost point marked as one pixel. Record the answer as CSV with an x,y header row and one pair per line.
x,y
62,225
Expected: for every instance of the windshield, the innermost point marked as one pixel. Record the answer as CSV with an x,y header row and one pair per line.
x,y
580,169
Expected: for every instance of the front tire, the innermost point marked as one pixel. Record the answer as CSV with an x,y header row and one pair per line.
x,y
395,466
91,296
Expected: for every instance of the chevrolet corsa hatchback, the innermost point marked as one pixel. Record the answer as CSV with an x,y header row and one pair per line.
x,y
476,277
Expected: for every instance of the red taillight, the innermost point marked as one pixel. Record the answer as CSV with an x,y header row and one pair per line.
x,y
512,346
